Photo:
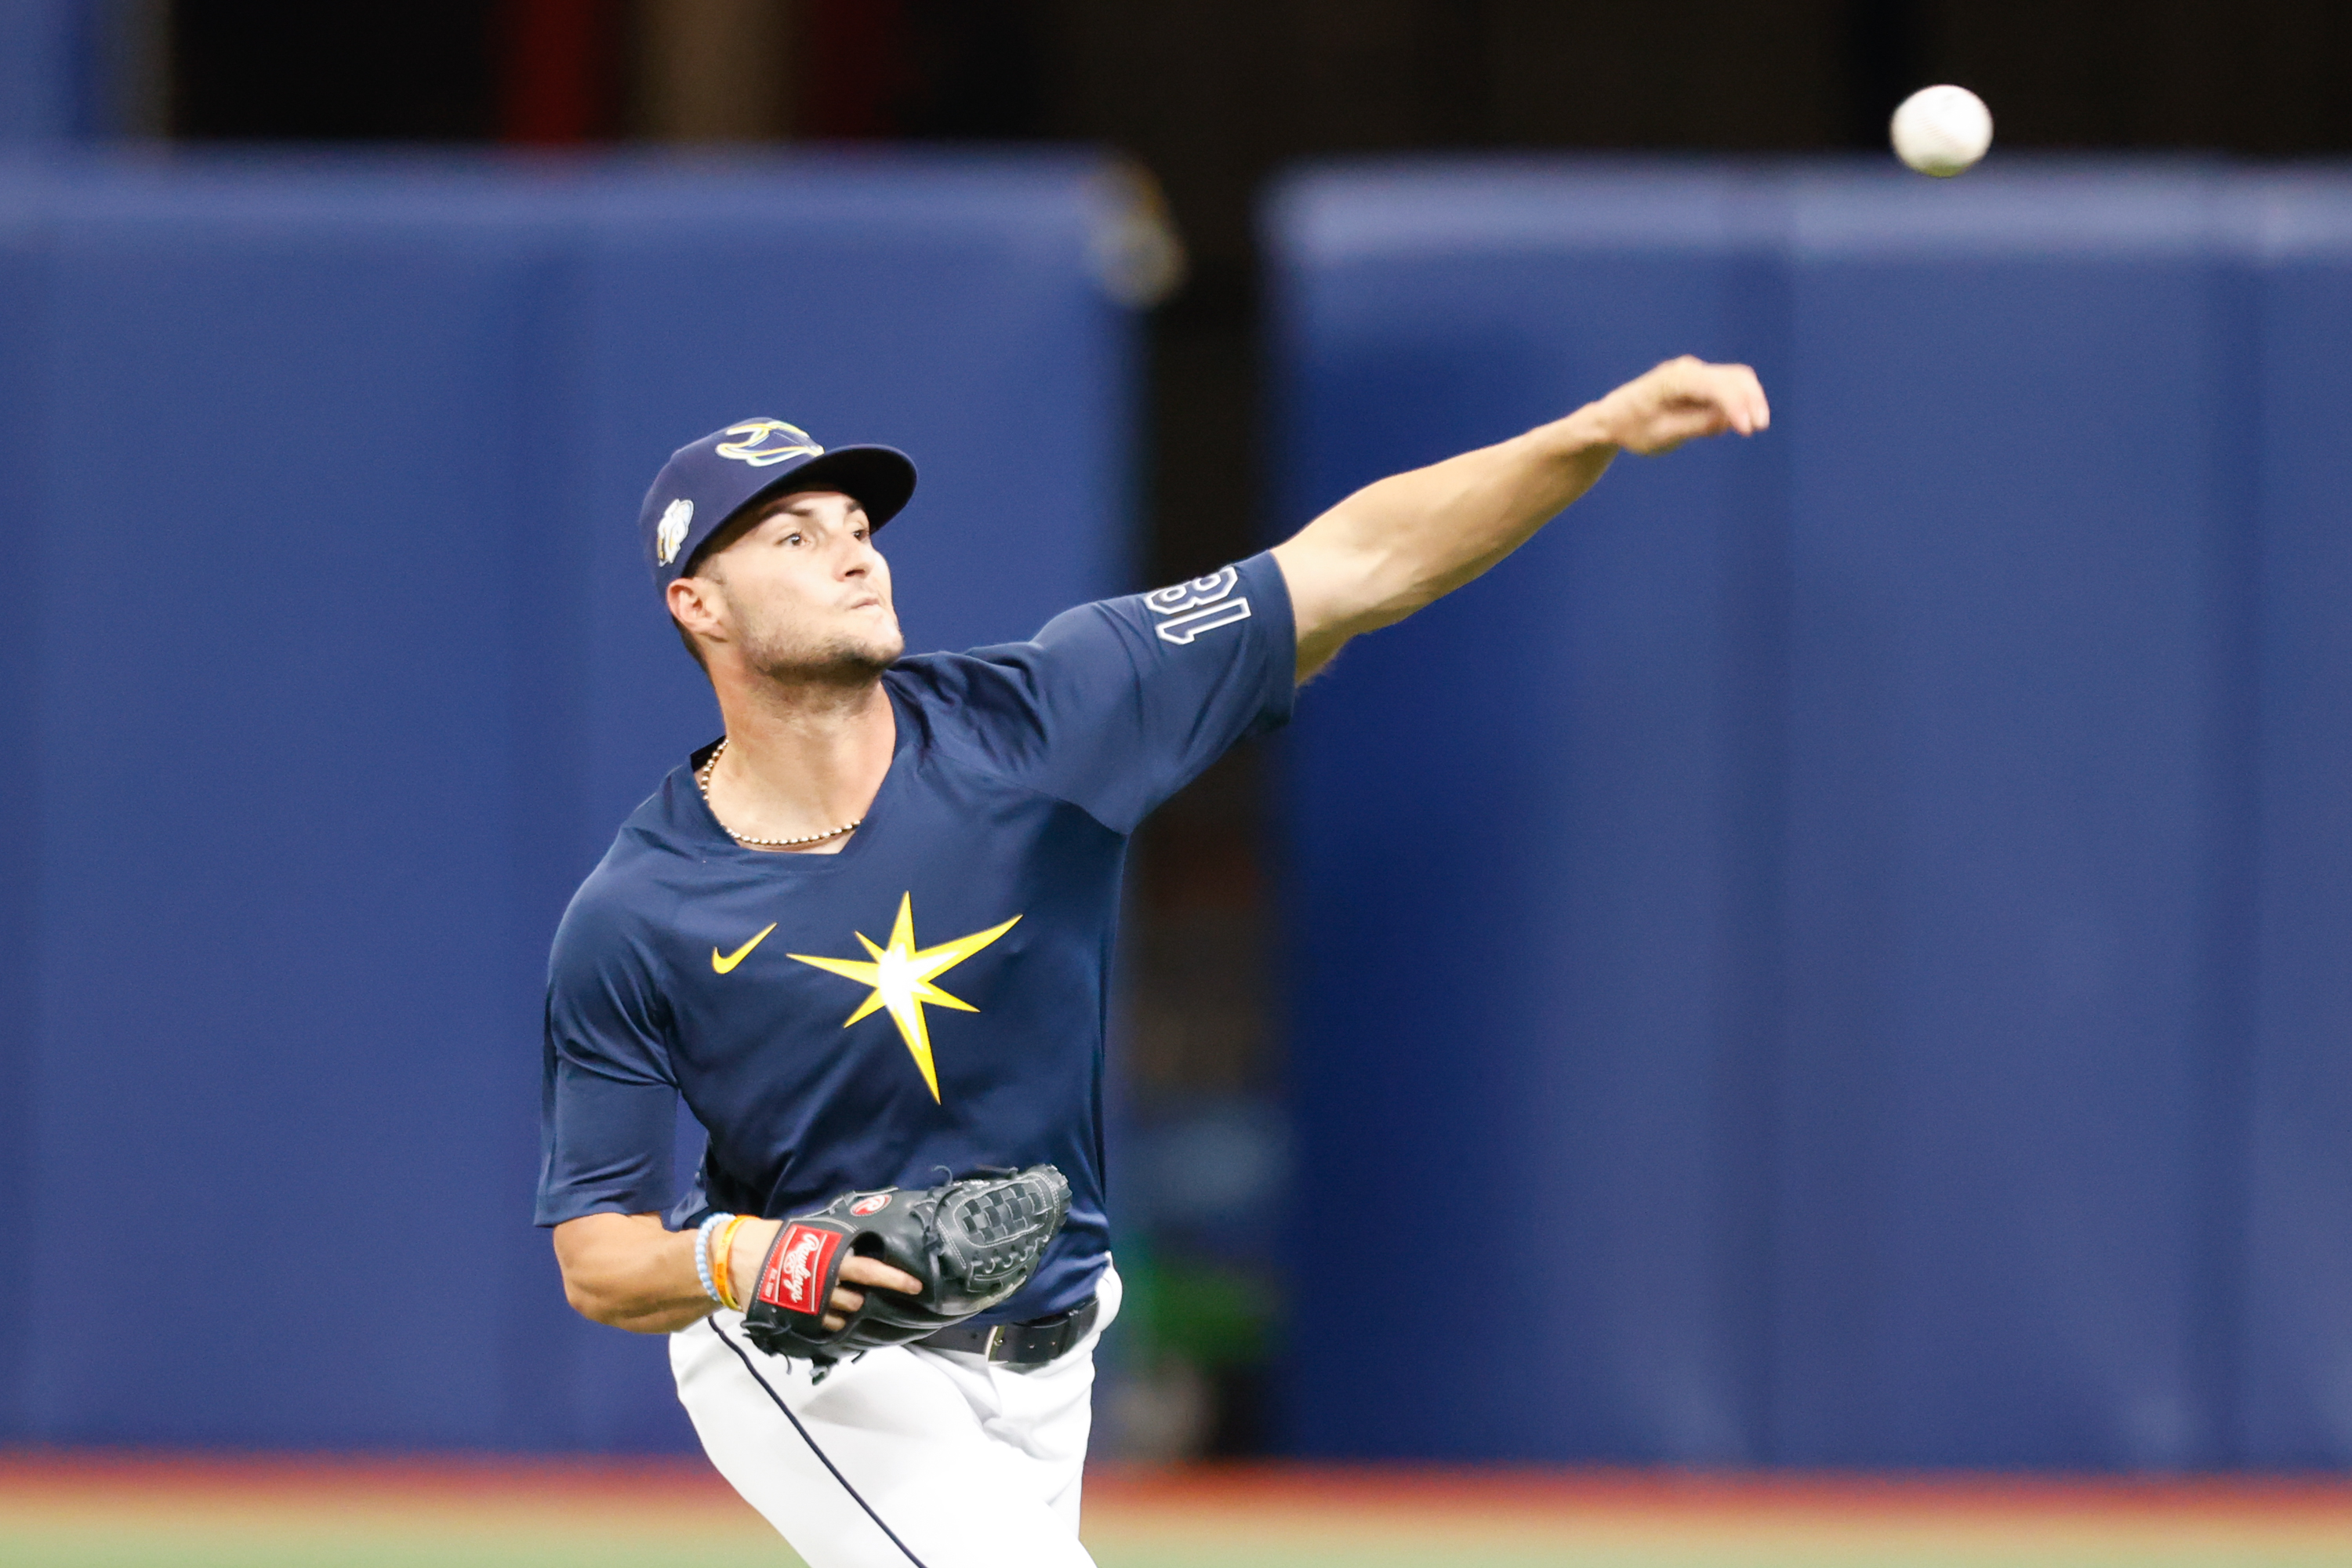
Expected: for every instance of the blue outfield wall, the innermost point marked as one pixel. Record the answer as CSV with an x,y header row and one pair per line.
x,y
328,665
1835,955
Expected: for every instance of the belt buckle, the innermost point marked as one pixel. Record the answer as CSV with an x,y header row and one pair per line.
x,y
993,1342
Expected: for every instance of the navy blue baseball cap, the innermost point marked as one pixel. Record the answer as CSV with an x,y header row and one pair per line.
x,y
706,483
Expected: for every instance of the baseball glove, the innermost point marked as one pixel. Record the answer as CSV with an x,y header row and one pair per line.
x,y
973,1243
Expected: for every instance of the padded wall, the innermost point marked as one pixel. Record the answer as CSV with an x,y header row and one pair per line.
x,y
2018,821
2294,1333
1584,710
1865,888
20,309
338,668
47,50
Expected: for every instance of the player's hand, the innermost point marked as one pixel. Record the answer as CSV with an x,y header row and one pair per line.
x,y
753,1239
1679,401
867,1272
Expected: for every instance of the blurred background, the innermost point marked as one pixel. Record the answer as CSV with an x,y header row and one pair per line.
x,y
1834,958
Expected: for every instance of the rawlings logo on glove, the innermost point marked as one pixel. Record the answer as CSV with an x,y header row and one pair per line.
x,y
801,1258
972,1242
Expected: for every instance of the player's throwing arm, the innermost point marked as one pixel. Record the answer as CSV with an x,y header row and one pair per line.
x,y
1399,543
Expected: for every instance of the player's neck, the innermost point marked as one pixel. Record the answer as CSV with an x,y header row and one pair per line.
x,y
801,760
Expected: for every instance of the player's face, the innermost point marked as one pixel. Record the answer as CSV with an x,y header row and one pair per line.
x,y
806,593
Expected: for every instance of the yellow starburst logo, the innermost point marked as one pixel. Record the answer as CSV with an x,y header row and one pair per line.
x,y
901,976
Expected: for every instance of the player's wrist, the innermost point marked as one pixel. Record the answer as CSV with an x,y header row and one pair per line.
x,y
747,1250
706,1267
1595,427
723,1272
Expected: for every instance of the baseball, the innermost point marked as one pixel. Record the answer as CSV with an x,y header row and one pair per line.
x,y
1942,131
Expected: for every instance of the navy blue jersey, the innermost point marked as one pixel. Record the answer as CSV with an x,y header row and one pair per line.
x,y
933,997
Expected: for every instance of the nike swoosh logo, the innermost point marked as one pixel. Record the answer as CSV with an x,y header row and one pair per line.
x,y
721,965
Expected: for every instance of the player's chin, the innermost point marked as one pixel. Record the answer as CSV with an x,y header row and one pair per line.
x,y
885,640
882,647
867,650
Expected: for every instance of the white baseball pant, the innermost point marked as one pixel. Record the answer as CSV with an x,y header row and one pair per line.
x,y
970,1465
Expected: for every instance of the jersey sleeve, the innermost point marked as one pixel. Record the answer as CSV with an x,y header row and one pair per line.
x,y
608,1095
1115,706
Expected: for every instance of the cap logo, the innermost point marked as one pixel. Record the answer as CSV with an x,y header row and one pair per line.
x,y
672,531
767,442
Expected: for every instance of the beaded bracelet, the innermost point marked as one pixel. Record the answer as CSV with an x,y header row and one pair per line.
x,y
722,1263
702,1253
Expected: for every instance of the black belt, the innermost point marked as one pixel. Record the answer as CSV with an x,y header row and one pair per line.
x,y
1029,1345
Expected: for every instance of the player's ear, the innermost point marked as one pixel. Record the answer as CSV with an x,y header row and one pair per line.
x,y
692,605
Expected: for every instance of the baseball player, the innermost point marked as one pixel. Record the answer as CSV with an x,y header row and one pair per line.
x,y
866,935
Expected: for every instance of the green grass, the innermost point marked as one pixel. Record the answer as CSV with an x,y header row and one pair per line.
x,y
151,1545
1428,1553
135,1513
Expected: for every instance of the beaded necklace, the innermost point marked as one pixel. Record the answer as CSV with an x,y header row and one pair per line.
x,y
702,783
